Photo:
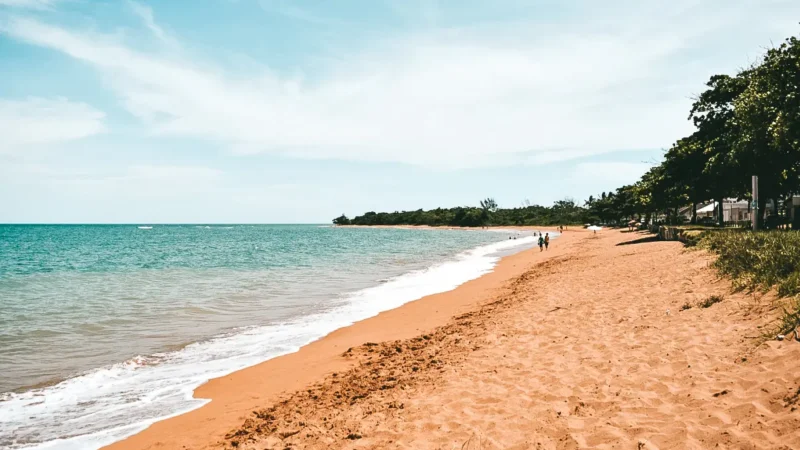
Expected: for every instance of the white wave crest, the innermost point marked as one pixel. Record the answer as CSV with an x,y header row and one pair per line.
x,y
108,404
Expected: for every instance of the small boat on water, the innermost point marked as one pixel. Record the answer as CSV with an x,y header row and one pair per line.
x,y
145,228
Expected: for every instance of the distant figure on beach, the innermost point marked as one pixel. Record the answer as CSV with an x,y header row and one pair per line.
x,y
546,241
541,242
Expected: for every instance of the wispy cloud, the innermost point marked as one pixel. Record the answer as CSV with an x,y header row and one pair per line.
x,y
146,14
492,95
288,8
31,4
35,122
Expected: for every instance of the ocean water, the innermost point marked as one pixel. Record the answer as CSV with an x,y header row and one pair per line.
x,y
105,329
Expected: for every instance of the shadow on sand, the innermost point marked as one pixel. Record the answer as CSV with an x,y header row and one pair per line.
x,y
642,240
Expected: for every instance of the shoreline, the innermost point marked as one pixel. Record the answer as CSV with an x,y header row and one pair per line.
x,y
234,396
605,346
545,228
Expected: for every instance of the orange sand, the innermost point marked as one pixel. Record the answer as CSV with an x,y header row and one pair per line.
x,y
584,346
236,395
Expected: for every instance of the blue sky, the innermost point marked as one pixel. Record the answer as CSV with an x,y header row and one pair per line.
x,y
297,111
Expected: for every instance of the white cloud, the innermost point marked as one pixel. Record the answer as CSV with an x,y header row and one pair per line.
x,y
146,14
286,8
34,122
32,4
494,95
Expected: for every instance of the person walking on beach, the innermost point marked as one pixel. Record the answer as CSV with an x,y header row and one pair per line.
x,y
546,241
541,242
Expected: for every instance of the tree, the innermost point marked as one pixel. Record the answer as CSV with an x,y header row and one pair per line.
x,y
714,115
489,205
768,112
566,211
684,165
341,220
745,124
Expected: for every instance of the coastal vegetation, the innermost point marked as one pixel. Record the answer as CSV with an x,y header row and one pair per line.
x,y
745,124
562,212
761,261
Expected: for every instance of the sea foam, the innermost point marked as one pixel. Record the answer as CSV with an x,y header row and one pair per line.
x,y
108,404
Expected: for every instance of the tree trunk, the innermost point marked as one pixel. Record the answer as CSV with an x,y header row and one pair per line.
x,y
775,213
762,207
720,212
694,213
787,200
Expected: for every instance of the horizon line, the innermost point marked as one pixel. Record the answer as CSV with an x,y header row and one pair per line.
x,y
160,223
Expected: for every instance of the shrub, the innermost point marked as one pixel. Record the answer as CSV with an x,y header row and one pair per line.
x,y
790,320
710,301
790,286
691,237
760,260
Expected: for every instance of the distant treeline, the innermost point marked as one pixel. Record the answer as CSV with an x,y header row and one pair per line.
x,y
563,212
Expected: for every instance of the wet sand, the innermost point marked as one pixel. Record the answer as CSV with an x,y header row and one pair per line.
x,y
588,345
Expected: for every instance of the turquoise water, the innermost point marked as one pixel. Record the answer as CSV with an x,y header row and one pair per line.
x,y
104,329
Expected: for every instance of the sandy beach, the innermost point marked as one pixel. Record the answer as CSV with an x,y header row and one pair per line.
x,y
600,342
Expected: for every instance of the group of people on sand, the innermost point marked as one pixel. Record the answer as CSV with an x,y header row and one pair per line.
x,y
544,241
